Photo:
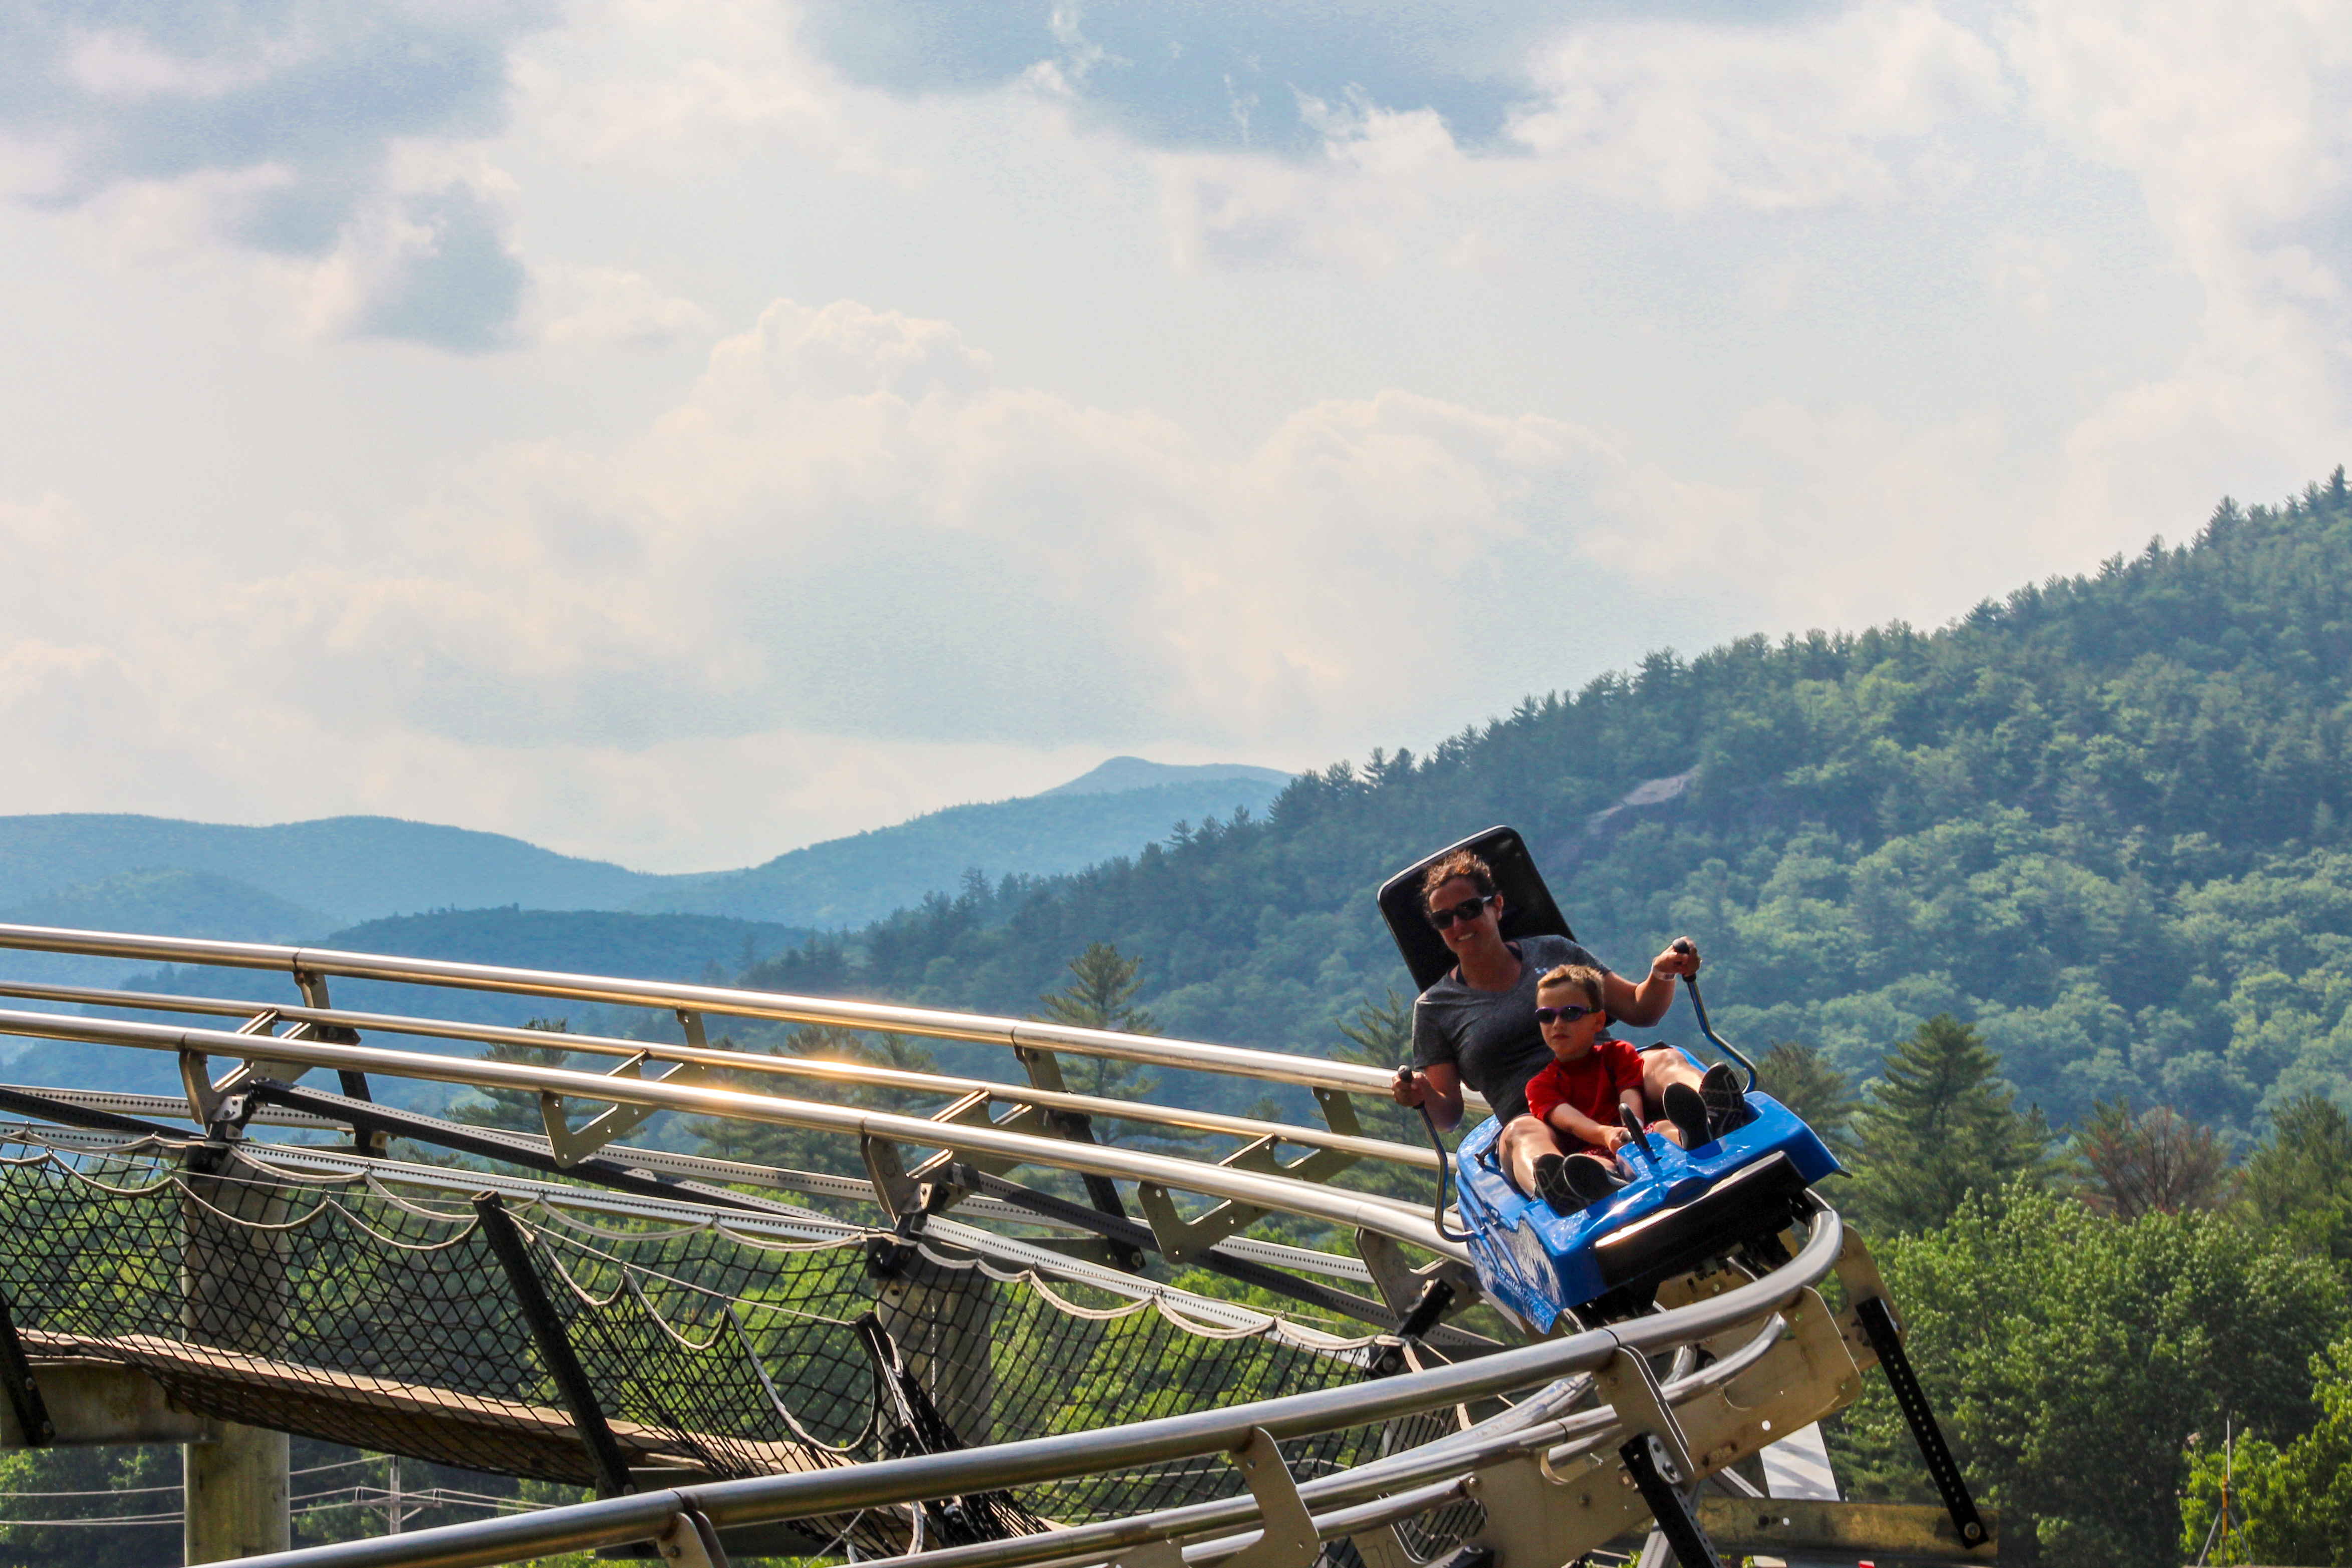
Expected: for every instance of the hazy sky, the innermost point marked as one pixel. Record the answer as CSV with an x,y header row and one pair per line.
x,y
678,432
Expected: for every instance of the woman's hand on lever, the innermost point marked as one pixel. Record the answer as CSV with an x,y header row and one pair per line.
x,y
1680,958
1438,1089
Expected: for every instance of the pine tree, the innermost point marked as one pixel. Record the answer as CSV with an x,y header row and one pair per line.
x,y
1381,1035
2301,1180
1101,995
1938,1127
1801,1078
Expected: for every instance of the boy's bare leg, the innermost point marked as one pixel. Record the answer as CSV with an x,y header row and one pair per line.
x,y
1522,1143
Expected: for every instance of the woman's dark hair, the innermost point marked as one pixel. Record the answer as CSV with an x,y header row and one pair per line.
x,y
1460,863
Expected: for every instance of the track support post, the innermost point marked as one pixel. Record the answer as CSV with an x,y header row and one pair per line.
x,y
605,1458
1877,1321
1656,1455
23,1389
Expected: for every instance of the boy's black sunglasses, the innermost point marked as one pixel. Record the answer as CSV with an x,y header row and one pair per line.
x,y
1562,1014
1469,909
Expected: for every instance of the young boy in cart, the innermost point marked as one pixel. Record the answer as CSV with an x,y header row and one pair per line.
x,y
1581,1096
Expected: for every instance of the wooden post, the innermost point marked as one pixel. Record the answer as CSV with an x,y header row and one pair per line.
x,y
233,1295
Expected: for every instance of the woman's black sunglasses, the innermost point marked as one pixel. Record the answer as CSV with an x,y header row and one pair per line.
x,y
1562,1014
1469,909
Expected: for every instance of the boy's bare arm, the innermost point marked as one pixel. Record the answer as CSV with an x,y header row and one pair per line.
x,y
1568,1120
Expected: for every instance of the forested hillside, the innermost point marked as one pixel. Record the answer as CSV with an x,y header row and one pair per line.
x,y
2103,819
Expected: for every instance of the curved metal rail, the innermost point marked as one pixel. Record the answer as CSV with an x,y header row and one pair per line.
x,y
1544,1427
759,1062
1356,1210
1272,1067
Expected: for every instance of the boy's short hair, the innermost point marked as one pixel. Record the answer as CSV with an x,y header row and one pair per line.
x,y
1584,977
1460,863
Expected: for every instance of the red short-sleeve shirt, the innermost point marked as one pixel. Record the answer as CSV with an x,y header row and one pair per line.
x,y
1588,1086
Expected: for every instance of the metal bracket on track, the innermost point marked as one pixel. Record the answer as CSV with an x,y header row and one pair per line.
x,y
1182,1240
1877,1320
1403,1285
1656,1453
691,1542
1874,1335
893,1187
570,1145
1160,1554
204,1100
971,1111
1289,1539
1045,1072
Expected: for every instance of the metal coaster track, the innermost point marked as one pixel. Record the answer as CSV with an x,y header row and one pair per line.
x,y
1557,1474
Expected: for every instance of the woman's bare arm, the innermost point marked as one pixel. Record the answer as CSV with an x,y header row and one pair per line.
x,y
1437,1086
1643,1004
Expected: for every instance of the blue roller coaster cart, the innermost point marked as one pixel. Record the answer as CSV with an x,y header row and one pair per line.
x,y
1681,1210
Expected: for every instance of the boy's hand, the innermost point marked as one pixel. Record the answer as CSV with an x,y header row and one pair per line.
x,y
1410,1088
1614,1138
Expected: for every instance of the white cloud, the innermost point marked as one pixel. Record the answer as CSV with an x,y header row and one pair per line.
x,y
672,84
1688,115
1735,326
126,65
850,529
2232,121
594,306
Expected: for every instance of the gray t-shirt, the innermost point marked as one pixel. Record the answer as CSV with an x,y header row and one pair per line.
x,y
1490,1036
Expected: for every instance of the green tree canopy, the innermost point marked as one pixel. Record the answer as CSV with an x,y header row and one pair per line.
x,y
1938,1127
2300,1180
2070,1355
2290,1504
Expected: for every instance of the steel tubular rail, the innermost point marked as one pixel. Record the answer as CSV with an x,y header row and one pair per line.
x,y
1193,1055
1038,1460
1401,1222
744,1061
1539,1423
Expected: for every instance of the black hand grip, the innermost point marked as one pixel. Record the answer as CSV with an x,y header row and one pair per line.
x,y
1632,1122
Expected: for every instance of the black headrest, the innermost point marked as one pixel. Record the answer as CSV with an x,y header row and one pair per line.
x,y
1528,907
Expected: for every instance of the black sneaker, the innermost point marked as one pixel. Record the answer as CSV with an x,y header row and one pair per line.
x,y
1551,1184
1727,1103
1588,1178
1687,1110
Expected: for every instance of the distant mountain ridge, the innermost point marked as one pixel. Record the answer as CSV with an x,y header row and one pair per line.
x,y
851,881
298,880
352,867
1123,774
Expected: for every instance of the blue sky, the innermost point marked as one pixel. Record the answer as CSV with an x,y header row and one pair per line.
x,y
674,433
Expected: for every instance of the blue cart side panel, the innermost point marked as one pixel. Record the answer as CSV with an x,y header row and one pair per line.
x,y
1540,1263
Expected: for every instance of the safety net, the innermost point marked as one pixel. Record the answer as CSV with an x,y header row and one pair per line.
x,y
383,1313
